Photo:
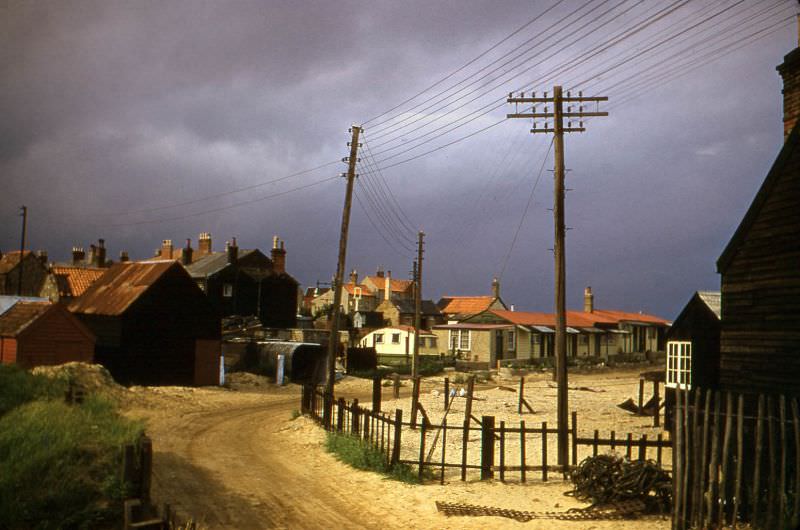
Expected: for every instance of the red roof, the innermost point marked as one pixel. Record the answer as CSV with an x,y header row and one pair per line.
x,y
577,319
73,281
120,286
465,304
397,286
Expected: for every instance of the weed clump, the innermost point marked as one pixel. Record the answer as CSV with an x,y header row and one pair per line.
x,y
360,455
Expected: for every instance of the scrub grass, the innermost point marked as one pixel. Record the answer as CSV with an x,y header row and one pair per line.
x,y
360,455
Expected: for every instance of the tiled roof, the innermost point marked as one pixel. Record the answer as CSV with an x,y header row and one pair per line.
x,y
624,316
20,316
397,286
465,304
577,319
73,281
119,287
351,289
10,260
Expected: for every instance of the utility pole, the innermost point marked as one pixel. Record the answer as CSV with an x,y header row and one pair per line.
x,y
333,342
417,304
558,130
24,215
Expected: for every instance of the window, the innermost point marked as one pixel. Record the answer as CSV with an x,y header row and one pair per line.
x,y
536,338
610,339
201,285
395,338
432,342
379,338
227,290
584,338
459,339
511,338
679,364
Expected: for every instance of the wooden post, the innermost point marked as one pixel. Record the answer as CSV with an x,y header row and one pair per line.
x,y
521,394
574,441
772,457
688,438
659,448
522,463
327,403
713,469
502,451
146,470
677,457
487,447
376,393
544,451
643,448
446,392
657,415
701,467
398,429
340,415
613,440
723,476
737,486
641,394
757,465
464,442
468,406
422,429
396,386
782,479
414,402
444,448
629,445
596,442
354,430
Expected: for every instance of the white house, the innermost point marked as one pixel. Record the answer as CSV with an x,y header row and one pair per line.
x,y
399,341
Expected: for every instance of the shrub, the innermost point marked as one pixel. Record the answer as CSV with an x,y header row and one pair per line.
x,y
18,386
60,464
360,455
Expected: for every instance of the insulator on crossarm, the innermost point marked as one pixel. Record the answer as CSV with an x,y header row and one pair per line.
x,y
581,124
568,93
522,94
345,159
569,124
510,95
580,94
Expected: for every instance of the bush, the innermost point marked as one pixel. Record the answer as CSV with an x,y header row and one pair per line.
x,y
60,464
18,386
360,455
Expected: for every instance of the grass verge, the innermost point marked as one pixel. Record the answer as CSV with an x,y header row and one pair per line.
x,y
18,386
60,465
360,455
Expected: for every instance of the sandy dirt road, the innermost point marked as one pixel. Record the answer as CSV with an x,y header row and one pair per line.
x,y
237,460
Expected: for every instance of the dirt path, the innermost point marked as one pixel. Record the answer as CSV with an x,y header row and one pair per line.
x,y
236,459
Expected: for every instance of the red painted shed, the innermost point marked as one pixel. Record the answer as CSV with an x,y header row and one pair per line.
x,y
41,333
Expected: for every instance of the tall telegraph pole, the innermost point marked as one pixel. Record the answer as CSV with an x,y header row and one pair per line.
x,y
417,305
333,342
558,130
24,214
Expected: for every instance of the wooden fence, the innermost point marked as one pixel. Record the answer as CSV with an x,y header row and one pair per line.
x,y
492,449
737,459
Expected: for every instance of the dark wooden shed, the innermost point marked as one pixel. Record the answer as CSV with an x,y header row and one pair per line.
x,y
760,268
154,325
693,343
41,333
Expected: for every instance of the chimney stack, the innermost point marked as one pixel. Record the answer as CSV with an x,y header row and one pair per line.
x,y
166,249
354,277
387,286
100,254
379,272
78,255
204,244
123,256
278,255
42,254
790,72
588,300
495,288
233,251
92,254
186,256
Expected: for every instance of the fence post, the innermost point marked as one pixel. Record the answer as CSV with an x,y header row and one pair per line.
x,y
643,448
502,451
396,387
146,470
398,429
677,458
414,402
422,449
544,451
487,447
376,393
464,442
354,430
446,392
657,415
305,400
327,411
574,440
340,415
521,394
522,462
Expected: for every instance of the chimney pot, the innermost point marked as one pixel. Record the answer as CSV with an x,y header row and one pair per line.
x,y
166,249
278,256
186,255
204,244
123,256
588,300
233,251
495,288
387,286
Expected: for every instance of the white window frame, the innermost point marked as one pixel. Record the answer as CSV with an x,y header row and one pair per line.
x,y
395,338
227,290
457,341
679,364
379,338
511,340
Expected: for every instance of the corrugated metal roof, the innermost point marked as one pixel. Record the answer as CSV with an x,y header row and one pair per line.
x,y
20,316
212,263
73,281
7,302
119,287
408,306
713,299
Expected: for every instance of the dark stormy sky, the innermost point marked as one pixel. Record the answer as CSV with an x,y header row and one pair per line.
x,y
145,120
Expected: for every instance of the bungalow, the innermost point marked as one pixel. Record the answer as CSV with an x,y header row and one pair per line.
x,y
398,341
42,333
477,342
153,325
